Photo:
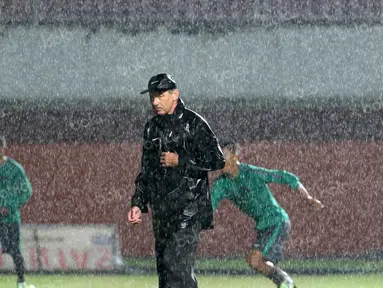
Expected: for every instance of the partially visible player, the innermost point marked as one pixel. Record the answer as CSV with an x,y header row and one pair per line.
x,y
246,187
15,191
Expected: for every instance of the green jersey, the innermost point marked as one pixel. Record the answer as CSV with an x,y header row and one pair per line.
x,y
15,190
250,193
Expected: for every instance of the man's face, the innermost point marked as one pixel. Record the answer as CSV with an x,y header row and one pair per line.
x,y
164,102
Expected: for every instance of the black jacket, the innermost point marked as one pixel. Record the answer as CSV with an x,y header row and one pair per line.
x,y
178,195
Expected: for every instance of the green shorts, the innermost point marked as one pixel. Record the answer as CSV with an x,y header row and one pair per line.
x,y
9,238
270,241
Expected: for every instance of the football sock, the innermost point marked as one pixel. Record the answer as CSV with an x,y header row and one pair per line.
x,y
277,275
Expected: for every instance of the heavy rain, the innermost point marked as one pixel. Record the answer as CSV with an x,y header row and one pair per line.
x,y
291,90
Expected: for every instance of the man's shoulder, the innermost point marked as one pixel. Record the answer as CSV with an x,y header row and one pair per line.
x,y
244,167
193,116
149,128
250,169
13,164
152,122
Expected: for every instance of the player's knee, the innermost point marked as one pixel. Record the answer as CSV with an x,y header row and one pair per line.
x,y
255,260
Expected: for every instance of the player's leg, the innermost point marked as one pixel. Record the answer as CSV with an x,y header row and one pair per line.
x,y
160,245
268,251
179,257
12,247
271,271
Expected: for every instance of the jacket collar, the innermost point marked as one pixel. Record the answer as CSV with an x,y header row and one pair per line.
x,y
177,114
179,111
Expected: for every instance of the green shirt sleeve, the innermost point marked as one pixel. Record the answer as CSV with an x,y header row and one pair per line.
x,y
22,186
17,189
218,192
278,176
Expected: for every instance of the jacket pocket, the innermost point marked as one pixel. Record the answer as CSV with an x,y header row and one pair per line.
x,y
183,195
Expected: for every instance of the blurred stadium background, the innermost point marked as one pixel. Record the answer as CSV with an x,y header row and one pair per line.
x,y
297,83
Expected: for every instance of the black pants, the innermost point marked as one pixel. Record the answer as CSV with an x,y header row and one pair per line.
x,y
10,243
175,255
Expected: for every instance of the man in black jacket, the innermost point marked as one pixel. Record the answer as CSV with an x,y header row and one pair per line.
x,y
178,151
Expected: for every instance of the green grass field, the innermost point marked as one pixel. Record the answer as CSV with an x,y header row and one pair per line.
x,y
89,281
372,277
240,265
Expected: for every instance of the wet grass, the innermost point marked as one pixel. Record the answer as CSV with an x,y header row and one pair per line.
x,y
99,281
305,266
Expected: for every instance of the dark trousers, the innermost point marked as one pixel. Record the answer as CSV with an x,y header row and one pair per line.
x,y
10,243
175,255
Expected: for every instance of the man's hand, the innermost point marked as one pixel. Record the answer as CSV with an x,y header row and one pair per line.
x,y
3,211
169,159
134,215
316,203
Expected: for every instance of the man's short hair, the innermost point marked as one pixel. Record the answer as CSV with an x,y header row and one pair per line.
x,y
228,144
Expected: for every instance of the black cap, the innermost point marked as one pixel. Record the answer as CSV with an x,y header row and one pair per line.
x,y
160,83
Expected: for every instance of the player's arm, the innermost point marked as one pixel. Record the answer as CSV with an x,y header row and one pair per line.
x,y
287,178
313,201
278,176
207,156
23,187
22,192
3,205
140,197
217,193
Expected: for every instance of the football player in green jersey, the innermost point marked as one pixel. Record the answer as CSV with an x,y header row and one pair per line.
x,y
15,191
246,187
